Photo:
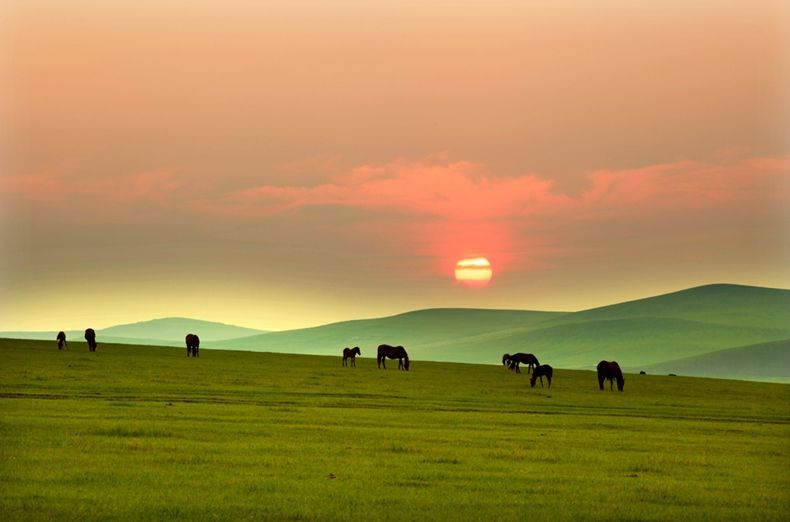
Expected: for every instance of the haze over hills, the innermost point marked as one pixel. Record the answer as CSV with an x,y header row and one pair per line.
x,y
168,331
759,362
718,330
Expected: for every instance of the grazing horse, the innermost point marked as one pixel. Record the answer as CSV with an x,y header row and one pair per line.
x,y
351,353
610,370
90,336
392,352
193,345
61,338
542,370
512,361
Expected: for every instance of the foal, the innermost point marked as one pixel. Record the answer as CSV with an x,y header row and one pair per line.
x,y
351,353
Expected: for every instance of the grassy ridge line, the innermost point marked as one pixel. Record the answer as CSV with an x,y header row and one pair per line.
x,y
724,304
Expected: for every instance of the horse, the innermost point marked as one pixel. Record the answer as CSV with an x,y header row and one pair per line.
x,y
392,352
61,338
542,370
351,353
610,370
90,336
193,345
512,361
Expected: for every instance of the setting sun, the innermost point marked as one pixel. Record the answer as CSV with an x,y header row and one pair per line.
x,y
474,271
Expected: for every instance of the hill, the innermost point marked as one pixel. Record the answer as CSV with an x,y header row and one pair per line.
x,y
414,329
641,333
169,331
175,328
637,333
759,362
727,304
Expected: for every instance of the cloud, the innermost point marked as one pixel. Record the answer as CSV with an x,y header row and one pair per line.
x,y
441,210
444,210
465,191
462,191
66,187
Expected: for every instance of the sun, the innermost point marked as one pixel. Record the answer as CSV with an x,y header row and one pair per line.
x,y
473,271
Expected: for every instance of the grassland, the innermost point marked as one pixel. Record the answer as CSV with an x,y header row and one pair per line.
x,y
138,433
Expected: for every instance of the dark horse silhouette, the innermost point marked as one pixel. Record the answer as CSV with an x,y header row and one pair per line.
x,y
512,361
610,370
90,336
392,352
351,353
193,345
61,338
542,370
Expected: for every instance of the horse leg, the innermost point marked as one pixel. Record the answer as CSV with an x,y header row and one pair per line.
x,y
548,377
354,362
600,382
517,369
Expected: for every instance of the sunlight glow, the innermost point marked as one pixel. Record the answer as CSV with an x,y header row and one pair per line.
x,y
475,272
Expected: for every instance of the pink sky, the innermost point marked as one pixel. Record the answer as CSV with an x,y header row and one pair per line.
x,y
277,166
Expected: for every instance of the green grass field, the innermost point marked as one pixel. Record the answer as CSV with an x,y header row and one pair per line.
x,y
135,432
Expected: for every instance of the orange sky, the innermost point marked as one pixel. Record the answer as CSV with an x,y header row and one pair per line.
x,y
280,164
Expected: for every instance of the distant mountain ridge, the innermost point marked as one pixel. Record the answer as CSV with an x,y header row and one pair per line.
x,y
696,330
169,331
177,327
638,333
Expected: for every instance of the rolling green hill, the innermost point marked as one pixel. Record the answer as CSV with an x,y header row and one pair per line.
x,y
727,304
638,333
759,362
169,331
412,329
